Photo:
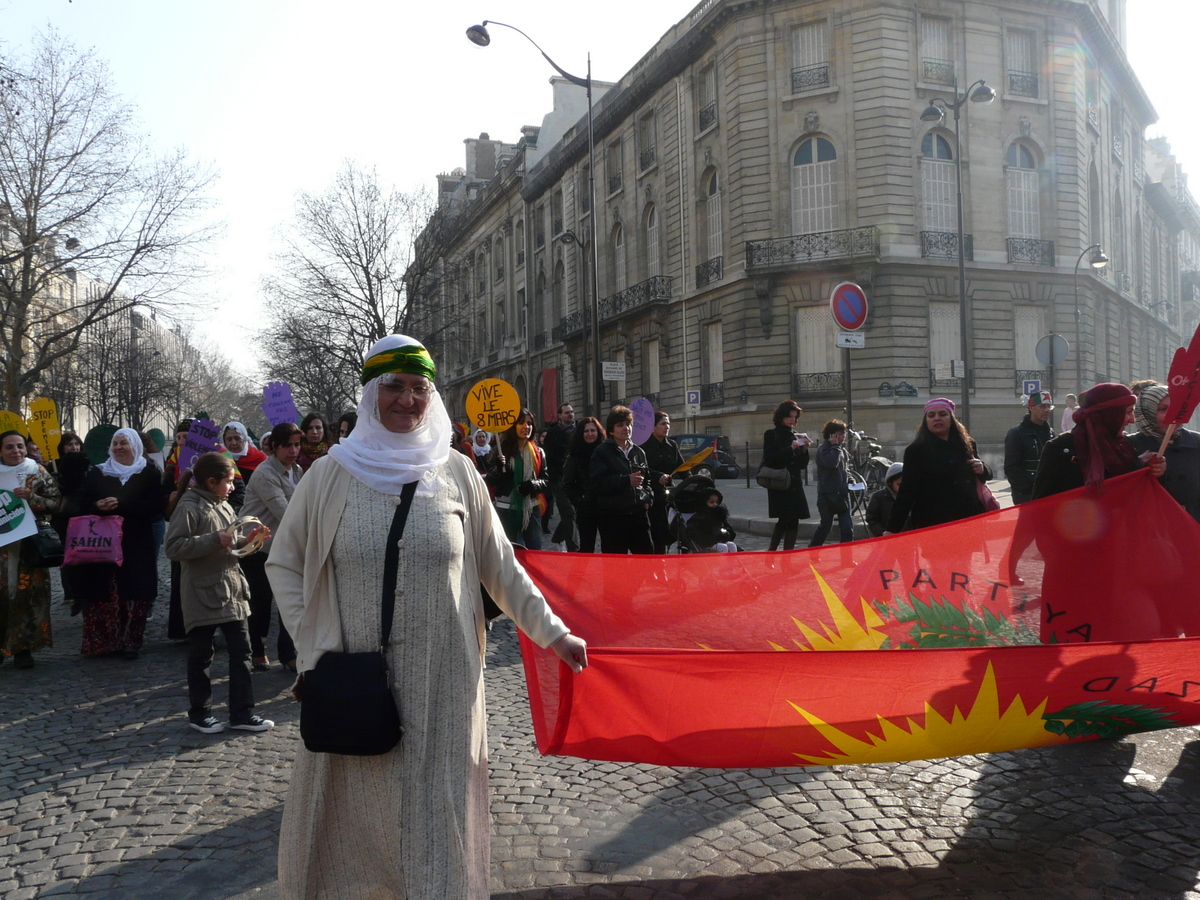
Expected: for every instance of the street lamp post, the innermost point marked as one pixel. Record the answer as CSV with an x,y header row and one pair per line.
x,y
478,34
978,92
1098,261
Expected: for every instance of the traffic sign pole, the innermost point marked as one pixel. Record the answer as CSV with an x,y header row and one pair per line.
x,y
848,304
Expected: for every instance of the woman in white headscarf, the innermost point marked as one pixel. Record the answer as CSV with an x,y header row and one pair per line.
x,y
117,600
245,455
413,822
24,587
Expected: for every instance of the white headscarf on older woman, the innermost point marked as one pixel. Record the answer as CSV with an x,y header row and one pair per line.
x,y
383,460
120,470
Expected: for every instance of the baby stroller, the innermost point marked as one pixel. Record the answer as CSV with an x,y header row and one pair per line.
x,y
697,527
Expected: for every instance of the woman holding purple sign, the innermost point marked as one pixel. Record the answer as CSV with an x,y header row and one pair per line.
x,y
118,601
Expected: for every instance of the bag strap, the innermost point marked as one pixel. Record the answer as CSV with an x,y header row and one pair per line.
x,y
391,562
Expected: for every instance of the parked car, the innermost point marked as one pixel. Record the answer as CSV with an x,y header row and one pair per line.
x,y
722,464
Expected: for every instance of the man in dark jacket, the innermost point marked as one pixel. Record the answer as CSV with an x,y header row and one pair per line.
x,y
1024,443
557,444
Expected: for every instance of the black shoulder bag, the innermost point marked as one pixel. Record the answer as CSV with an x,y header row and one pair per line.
x,y
346,703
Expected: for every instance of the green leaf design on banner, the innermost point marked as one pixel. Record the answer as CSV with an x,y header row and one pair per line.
x,y
1105,719
940,623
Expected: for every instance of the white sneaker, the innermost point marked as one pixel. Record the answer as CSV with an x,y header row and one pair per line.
x,y
254,723
208,725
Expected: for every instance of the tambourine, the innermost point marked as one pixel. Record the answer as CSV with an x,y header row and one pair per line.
x,y
240,529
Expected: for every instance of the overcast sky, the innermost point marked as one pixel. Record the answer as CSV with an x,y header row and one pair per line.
x,y
276,94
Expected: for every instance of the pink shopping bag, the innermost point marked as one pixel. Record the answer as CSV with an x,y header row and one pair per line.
x,y
94,539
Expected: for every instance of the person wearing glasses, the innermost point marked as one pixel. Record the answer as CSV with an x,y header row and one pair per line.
x,y
785,448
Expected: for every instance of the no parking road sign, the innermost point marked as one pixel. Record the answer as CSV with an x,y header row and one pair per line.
x,y
848,303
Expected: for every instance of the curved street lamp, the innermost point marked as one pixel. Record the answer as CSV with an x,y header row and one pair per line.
x,y
478,34
935,112
1098,261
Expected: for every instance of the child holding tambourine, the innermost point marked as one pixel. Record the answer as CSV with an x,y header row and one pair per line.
x,y
214,592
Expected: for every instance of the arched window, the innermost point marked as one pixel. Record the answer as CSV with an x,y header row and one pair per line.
x,y
539,303
652,253
619,272
814,187
938,184
714,237
1024,201
556,294
1117,253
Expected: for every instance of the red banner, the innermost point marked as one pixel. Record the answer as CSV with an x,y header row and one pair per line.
x,y
1072,618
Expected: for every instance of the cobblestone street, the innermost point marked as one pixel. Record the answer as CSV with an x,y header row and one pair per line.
x,y
104,791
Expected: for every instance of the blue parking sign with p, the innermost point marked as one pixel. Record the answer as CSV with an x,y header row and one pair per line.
x,y
1031,386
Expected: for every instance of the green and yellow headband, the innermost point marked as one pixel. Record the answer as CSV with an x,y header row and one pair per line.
x,y
411,360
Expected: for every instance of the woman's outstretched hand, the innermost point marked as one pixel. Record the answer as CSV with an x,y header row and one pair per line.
x,y
572,650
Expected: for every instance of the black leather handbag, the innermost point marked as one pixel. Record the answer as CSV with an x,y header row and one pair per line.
x,y
346,703
45,547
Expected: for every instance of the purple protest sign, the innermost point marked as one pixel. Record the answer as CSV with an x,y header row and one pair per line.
x,y
278,405
201,439
643,419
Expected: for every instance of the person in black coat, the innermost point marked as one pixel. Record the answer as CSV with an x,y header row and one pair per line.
x,y
663,457
942,473
618,478
783,448
1023,446
587,437
70,471
118,601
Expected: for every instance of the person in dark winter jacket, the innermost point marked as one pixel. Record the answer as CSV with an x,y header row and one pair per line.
x,y
587,437
833,484
708,528
942,473
1024,443
1182,478
663,457
784,448
618,479
879,507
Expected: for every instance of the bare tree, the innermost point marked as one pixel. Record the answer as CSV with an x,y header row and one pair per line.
x,y
80,193
345,282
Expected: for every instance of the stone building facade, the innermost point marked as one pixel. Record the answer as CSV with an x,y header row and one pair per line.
x,y
760,154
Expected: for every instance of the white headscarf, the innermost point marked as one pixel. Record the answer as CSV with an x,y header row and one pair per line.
x,y
486,448
120,470
386,461
240,429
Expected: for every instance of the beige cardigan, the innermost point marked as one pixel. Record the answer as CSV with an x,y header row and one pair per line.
x,y
303,580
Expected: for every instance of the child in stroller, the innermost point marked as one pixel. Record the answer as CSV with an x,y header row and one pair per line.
x,y
701,520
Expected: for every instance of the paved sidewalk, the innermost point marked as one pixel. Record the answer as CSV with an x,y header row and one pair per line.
x,y
105,792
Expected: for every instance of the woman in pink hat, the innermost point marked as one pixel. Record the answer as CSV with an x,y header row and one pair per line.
x,y
942,473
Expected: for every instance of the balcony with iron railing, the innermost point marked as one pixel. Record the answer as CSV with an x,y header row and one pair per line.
x,y
712,394
944,245
558,226
646,158
848,243
570,326
585,203
1030,251
539,239
937,71
810,78
708,115
815,385
614,182
709,272
539,341
645,294
1118,146
499,273
1023,84
520,257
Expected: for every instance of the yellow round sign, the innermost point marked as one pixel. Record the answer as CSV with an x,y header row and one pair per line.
x,y
10,421
493,405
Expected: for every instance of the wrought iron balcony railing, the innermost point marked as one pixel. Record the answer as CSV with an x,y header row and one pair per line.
x,y
810,78
646,158
1023,375
712,394
571,325
539,239
709,272
656,289
1023,84
708,115
937,71
499,273
1118,145
539,341
944,245
1030,251
558,226
614,182
819,384
520,257
849,243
